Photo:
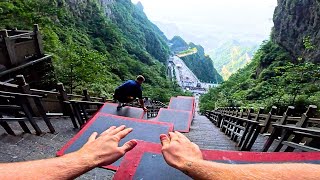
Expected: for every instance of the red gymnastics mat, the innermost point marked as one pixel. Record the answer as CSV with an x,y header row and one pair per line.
x,y
145,161
127,111
181,119
182,103
142,130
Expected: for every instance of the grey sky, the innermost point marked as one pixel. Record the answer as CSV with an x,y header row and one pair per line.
x,y
236,18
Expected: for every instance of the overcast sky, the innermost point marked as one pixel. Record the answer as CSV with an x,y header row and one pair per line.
x,y
232,16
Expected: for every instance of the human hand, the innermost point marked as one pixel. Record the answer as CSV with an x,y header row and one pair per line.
x,y
145,109
178,150
105,149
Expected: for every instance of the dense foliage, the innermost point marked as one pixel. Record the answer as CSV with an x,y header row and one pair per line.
x,y
91,50
201,65
272,78
231,56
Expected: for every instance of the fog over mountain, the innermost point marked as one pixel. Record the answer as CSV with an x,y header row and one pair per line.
x,y
211,23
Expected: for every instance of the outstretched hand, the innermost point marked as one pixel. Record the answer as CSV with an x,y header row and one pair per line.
x,y
178,150
105,149
145,109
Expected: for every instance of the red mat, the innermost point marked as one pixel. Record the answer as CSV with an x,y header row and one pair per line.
x,y
146,161
127,111
142,130
182,103
181,119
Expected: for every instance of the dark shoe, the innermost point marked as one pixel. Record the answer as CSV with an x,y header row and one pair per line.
x,y
118,108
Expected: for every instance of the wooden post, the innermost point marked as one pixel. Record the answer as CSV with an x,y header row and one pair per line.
x,y
268,120
38,39
6,127
66,108
86,95
10,49
247,128
25,89
236,123
256,128
302,123
25,103
276,132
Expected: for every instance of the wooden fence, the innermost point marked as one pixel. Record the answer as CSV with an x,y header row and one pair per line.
x,y
288,133
20,103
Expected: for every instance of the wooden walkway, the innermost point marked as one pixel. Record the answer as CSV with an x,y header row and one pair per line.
x,y
207,136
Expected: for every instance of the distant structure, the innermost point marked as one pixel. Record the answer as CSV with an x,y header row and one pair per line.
x,y
21,53
178,70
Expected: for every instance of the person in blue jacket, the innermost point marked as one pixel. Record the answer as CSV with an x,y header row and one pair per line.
x,y
129,91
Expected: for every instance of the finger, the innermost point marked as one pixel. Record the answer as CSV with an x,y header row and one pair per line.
x,y
108,131
128,146
173,136
181,136
118,129
165,140
122,134
92,137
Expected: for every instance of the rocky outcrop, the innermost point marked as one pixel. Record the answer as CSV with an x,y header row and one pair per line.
x,y
177,44
297,28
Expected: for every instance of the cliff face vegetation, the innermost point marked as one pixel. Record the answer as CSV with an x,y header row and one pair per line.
x,y
284,71
231,56
296,28
96,44
201,65
196,60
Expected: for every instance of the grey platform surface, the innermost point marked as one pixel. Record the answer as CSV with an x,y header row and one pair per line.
x,y
132,112
180,119
184,104
158,165
148,131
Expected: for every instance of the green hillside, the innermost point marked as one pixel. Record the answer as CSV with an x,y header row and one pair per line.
x,y
201,65
231,56
94,51
272,78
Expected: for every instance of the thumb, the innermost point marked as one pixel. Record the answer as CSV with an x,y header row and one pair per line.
x,y
164,140
128,146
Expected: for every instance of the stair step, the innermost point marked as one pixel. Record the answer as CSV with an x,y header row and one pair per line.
x,y
6,138
64,136
41,140
12,153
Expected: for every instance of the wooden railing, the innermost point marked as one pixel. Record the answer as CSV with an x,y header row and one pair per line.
x,y
40,103
243,126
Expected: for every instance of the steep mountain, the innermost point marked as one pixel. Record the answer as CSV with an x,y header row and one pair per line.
x,y
201,65
284,71
96,44
232,56
177,44
296,29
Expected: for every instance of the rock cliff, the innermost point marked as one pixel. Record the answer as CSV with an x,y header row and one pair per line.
x,y
297,28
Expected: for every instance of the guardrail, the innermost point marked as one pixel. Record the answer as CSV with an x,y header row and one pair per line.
x,y
243,126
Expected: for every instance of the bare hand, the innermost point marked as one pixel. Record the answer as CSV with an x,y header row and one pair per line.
x,y
105,149
178,150
145,109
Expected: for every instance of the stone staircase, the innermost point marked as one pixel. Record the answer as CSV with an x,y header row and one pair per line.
x,y
26,147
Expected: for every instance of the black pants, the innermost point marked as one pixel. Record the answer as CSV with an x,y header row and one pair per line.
x,y
122,98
